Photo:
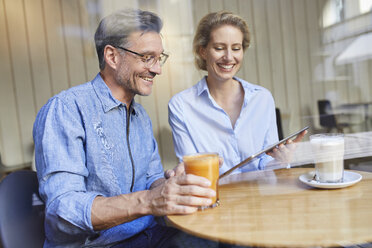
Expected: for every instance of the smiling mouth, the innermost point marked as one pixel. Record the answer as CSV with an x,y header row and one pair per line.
x,y
225,66
148,79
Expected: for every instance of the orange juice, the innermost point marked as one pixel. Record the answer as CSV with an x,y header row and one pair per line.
x,y
204,165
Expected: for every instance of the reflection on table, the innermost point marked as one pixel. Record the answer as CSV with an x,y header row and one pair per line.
x,y
275,209
357,145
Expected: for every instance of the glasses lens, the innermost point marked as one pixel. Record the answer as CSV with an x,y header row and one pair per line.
x,y
150,61
162,58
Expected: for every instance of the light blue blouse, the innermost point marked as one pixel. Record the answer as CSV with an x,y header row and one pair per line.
x,y
199,124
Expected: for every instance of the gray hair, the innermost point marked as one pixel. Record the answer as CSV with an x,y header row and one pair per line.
x,y
115,29
211,21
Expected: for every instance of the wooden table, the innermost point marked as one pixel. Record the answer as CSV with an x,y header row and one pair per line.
x,y
275,209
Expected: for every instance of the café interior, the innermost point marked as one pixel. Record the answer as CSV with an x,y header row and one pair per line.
x,y
314,56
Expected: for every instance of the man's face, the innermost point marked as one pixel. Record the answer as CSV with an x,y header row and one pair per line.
x,y
133,75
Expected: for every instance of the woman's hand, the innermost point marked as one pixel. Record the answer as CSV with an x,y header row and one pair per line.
x,y
284,152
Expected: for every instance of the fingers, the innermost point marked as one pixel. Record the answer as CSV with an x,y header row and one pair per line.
x,y
181,209
193,191
180,169
277,150
190,196
193,201
300,136
186,193
290,145
191,179
169,173
181,195
171,209
282,153
220,160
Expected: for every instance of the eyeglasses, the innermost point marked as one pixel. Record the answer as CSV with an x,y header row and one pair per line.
x,y
148,59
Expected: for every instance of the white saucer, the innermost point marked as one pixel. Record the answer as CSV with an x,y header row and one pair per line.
x,y
350,178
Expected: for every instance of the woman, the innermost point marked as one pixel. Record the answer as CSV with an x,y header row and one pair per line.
x,y
223,113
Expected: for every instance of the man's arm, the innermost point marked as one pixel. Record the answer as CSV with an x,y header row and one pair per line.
x,y
60,161
181,194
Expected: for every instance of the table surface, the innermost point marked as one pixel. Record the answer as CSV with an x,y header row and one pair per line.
x,y
275,209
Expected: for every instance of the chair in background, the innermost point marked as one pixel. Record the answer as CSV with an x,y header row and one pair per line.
x,y
279,123
328,119
21,211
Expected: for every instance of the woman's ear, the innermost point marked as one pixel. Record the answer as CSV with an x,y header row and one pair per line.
x,y
202,53
111,56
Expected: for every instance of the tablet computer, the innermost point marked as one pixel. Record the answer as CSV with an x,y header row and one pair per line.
x,y
267,149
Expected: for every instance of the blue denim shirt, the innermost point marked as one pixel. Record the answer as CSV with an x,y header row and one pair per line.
x,y
199,124
82,150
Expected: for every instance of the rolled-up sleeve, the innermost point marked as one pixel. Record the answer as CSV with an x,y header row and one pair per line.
x,y
60,161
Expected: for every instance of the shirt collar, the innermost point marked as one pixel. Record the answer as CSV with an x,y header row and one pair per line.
x,y
202,86
104,94
248,87
249,90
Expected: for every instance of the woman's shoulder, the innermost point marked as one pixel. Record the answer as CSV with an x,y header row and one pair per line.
x,y
187,95
252,87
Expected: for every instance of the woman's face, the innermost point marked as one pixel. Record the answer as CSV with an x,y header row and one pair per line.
x,y
224,52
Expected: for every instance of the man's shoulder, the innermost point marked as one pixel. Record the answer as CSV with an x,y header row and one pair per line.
x,y
69,98
77,91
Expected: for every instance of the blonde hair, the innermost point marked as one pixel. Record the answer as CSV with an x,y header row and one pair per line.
x,y
214,20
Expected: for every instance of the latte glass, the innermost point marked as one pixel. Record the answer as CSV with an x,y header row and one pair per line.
x,y
328,153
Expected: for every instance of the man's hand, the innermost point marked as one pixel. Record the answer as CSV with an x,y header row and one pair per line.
x,y
178,170
180,194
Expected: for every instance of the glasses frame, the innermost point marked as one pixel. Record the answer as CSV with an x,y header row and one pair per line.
x,y
143,55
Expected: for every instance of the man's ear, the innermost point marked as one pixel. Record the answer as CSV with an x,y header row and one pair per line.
x,y
111,56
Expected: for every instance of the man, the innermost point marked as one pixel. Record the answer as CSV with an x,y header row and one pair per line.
x,y
97,160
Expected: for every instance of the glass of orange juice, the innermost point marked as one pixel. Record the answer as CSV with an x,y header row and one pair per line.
x,y
204,165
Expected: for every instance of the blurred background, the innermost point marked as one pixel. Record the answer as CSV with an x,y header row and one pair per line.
x,y
315,56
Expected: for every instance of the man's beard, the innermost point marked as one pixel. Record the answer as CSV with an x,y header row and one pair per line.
x,y
130,84
126,83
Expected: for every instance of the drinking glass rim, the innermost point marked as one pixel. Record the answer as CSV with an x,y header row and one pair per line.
x,y
200,154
